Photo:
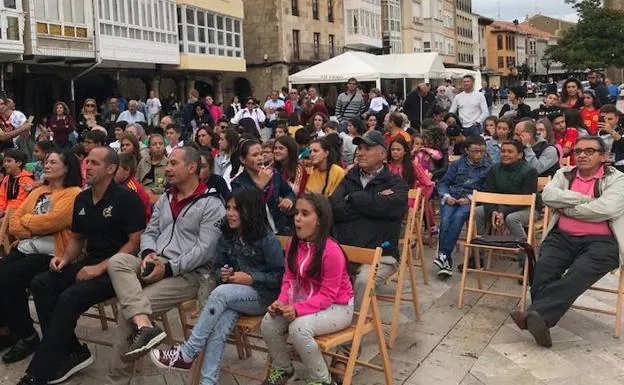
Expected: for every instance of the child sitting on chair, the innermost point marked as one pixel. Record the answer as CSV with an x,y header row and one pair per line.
x,y
248,269
316,296
17,183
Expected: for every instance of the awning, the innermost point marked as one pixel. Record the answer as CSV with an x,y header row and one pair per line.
x,y
368,67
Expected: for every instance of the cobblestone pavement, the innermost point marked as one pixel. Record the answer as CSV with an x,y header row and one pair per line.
x,y
476,345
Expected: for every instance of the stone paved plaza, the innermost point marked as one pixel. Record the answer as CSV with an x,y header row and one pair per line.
x,y
476,345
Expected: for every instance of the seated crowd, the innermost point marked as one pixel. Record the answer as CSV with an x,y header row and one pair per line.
x,y
152,221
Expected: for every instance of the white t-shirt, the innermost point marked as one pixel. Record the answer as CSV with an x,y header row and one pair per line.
x,y
153,106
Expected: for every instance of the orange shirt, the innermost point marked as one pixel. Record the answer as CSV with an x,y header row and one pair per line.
x,y
389,137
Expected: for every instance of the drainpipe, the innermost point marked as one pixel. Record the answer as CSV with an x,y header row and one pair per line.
x,y
98,57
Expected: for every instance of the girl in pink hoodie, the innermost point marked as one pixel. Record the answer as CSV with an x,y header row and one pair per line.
x,y
316,297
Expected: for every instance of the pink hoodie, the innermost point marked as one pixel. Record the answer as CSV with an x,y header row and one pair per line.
x,y
309,296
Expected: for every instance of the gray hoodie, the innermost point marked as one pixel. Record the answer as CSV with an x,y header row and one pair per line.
x,y
190,241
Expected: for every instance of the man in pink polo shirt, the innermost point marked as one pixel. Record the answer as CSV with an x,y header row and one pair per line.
x,y
583,240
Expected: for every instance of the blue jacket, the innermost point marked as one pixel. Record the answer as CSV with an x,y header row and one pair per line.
x,y
262,259
462,178
277,188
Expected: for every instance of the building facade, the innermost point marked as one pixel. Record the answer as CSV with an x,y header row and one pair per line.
x,y
72,49
413,26
439,29
465,32
284,37
484,64
517,51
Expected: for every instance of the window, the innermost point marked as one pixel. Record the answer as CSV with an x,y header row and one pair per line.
x,y
317,45
499,42
150,20
295,44
532,47
207,33
295,7
332,45
60,18
315,10
427,46
330,11
10,4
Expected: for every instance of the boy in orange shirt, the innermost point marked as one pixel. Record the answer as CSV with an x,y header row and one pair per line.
x,y
17,183
126,175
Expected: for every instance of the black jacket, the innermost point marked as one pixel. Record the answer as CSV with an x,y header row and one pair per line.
x,y
602,93
418,108
263,260
523,111
365,218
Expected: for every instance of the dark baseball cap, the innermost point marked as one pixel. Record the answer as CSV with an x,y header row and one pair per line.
x,y
371,138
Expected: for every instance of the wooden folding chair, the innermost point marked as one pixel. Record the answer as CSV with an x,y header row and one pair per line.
x,y
617,311
406,263
104,319
505,199
418,238
541,224
365,323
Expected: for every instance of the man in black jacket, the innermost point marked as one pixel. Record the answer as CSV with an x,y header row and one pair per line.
x,y
419,105
596,84
369,206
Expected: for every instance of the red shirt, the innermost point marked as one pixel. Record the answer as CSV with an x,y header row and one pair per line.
x,y
590,116
177,206
133,184
567,140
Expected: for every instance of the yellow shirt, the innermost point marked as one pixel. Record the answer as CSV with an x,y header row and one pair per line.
x,y
292,130
317,180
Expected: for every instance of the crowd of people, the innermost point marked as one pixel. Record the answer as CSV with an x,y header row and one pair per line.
x,y
154,213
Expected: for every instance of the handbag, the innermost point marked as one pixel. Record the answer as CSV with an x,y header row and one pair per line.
x,y
511,242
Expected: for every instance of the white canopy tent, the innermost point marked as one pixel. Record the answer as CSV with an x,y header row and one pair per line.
x,y
368,67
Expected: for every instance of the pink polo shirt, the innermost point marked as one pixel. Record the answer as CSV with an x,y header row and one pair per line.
x,y
576,227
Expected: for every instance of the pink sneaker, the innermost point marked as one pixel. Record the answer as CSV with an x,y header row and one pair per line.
x,y
170,359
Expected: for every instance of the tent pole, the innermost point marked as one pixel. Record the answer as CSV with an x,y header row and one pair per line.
x,y
289,86
404,89
378,83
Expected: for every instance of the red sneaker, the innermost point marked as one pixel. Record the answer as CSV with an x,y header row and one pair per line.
x,y
170,359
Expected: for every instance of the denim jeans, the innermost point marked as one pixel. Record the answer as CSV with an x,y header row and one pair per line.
x,y
475,129
452,219
218,317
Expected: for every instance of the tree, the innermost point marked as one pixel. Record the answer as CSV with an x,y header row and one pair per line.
x,y
594,41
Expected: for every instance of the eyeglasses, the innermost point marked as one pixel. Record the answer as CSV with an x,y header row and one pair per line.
x,y
479,151
587,151
223,126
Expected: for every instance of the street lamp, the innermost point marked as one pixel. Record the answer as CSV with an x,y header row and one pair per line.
x,y
546,62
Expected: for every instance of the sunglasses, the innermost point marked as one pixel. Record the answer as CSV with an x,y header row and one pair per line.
x,y
90,105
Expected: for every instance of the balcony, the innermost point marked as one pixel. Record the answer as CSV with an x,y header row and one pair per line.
x,y
11,31
309,53
362,39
